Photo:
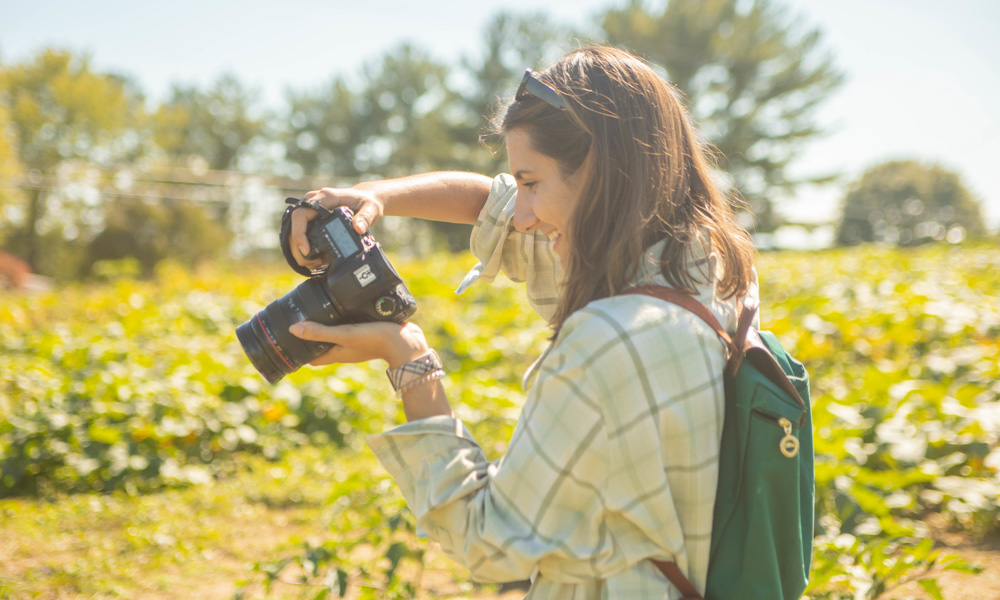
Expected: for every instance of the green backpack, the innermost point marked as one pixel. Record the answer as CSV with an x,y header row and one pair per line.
x,y
762,524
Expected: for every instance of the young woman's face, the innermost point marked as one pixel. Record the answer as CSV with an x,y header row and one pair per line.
x,y
545,199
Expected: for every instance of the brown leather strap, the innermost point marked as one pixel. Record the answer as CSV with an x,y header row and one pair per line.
x,y
746,342
686,301
672,572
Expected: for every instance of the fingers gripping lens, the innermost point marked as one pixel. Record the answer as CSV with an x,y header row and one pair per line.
x,y
272,349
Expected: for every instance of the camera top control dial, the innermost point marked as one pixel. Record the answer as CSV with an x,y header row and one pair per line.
x,y
385,306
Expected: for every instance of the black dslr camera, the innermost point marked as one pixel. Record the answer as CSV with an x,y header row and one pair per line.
x,y
357,285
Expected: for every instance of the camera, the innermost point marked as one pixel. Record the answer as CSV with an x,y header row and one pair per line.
x,y
358,284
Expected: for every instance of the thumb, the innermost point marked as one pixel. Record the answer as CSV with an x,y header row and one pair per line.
x,y
365,217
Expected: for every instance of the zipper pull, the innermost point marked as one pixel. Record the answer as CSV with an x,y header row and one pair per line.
x,y
788,445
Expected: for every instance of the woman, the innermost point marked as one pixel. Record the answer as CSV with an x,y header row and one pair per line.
x,y
614,461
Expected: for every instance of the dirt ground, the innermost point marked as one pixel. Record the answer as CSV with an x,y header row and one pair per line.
x,y
961,586
218,571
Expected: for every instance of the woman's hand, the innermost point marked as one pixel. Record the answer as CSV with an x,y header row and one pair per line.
x,y
367,209
394,343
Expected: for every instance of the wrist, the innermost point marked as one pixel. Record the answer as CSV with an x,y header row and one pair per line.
x,y
371,191
402,356
422,370
410,345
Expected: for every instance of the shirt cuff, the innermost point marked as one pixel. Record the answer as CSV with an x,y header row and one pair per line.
x,y
490,231
415,442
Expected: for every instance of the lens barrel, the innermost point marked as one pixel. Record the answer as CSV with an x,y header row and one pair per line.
x,y
272,349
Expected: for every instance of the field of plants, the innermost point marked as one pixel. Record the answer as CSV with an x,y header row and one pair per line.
x,y
143,457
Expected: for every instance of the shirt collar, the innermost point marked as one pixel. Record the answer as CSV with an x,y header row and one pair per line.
x,y
698,262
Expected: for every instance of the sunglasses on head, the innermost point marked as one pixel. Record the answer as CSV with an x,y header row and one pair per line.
x,y
531,86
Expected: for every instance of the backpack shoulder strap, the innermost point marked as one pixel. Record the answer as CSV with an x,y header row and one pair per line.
x,y
673,573
746,343
735,344
735,347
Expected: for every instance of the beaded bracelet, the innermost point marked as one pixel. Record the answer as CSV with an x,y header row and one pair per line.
x,y
429,377
413,370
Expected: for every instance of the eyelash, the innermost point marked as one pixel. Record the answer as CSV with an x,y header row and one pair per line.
x,y
529,184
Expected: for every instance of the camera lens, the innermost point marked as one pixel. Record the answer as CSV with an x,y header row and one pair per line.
x,y
272,349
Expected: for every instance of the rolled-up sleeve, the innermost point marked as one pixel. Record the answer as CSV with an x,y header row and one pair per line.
x,y
540,506
522,257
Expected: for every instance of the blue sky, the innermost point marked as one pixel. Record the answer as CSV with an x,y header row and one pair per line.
x,y
923,77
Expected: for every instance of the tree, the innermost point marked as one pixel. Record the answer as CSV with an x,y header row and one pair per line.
x,y
61,110
908,203
750,79
407,103
512,43
394,121
323,131
216,126
151,232
404,113
11,169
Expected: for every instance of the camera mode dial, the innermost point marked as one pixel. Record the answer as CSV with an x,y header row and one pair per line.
x,y
385,306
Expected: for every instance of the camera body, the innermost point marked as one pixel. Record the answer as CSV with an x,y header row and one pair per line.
x,y
357,285
360,280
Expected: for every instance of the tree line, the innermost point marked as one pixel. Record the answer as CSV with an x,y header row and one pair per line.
x,y
91,170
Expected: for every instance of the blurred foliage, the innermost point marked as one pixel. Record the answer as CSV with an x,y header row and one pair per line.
x,y
905,361
512,43
75,143
10,162
59,110
752,77
181,231
212,126
139,385
909,203
395,123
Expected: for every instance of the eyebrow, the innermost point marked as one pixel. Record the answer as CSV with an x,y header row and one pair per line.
x,y
520,173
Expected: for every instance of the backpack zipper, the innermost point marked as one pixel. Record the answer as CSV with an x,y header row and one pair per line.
x,y
789,444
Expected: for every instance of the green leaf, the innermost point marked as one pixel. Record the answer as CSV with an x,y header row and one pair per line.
x,y
104,435
931,587
341,582
953,562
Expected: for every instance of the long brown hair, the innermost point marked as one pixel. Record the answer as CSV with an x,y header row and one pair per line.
x,y
651,178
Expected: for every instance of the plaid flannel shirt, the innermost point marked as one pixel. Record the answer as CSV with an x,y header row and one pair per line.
x,y
614,459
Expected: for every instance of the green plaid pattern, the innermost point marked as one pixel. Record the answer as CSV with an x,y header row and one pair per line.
x,y
614,459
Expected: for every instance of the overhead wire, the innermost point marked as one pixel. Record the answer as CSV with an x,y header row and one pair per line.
x,y
127,194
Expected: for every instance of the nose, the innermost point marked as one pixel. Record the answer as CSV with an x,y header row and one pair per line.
x,y
524,219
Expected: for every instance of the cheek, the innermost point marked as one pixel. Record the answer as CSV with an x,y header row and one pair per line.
x,y
549,209
563,205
